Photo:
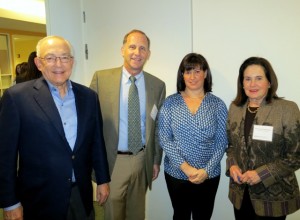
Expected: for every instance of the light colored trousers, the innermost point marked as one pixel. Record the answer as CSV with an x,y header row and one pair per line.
x,y
127,189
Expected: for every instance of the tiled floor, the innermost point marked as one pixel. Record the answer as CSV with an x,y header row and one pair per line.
x,y
98,211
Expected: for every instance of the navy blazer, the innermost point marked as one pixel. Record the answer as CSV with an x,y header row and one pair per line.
x,y
31,127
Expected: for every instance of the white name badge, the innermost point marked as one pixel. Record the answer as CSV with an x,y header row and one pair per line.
x,y
263,133
154,112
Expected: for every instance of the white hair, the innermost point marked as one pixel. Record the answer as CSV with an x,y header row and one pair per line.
x,y
39,44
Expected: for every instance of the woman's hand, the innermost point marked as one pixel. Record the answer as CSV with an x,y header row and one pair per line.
x,y
200,176
188,170
196,176
250,177
236,174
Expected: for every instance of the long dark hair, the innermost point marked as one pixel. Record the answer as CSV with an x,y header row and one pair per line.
x,y
241,97
32,72
189,62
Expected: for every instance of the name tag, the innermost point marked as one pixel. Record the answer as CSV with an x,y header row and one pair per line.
x,y
263,133
154,112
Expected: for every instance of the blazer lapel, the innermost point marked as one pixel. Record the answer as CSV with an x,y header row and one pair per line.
x,y
260,117
263,113
80,109
149,104
114,96
45,100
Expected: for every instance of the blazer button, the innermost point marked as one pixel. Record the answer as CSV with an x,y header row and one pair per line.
x,y
73,157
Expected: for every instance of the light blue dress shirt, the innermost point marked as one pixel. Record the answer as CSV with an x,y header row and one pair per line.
x,y
67,110
123,124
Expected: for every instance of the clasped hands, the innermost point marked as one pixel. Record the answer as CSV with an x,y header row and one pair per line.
x,y
195,176
249,177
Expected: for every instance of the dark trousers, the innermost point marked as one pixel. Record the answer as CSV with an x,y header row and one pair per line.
x,y
76,210
247,211
188,199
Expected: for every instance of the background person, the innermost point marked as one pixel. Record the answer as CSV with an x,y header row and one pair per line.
x,y
33,72
264,146
21,71
54,127
28,71
132,173
192,133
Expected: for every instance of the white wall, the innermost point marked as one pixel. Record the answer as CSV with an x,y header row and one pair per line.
x,y
225,32
64,18
167,23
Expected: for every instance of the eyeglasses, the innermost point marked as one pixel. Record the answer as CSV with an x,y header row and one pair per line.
x,y
52,59
196,72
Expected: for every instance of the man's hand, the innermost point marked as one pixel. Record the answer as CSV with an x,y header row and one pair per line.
x,y
102,193
156,170
15,214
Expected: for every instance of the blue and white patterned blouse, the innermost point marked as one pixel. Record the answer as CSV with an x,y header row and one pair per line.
x,y
199,139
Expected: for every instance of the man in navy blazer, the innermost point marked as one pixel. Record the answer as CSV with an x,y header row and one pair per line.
x,y
50,140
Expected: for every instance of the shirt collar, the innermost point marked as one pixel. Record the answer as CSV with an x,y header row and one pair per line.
x,y
126,74
53,88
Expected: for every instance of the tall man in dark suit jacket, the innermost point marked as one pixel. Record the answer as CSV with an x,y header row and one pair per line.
x,y
50,140
131,173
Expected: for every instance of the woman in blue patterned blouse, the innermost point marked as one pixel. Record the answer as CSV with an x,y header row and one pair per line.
x,y
192,133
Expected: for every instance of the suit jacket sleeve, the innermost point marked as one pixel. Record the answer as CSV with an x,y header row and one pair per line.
x,y
158,149
9,128
99,154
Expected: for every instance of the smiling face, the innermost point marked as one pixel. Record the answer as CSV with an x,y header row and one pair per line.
x,y
255,83
56,72
135,52
194,78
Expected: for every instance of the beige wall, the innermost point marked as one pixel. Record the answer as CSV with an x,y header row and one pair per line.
x,y
26,40
22,50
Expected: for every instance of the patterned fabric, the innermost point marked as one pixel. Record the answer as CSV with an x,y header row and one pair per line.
x,y
134,118
198,139
275,162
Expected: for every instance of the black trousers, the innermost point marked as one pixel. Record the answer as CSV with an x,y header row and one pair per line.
x,y
76,210
188,199
247,211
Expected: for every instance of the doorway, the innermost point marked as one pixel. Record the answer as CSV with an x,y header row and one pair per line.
x,y
19,33
5,64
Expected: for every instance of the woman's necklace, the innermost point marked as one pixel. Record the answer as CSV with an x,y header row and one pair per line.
x,y
252,111
193,103
197,97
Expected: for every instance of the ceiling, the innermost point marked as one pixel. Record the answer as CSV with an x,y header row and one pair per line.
x,y
6,23
19,17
